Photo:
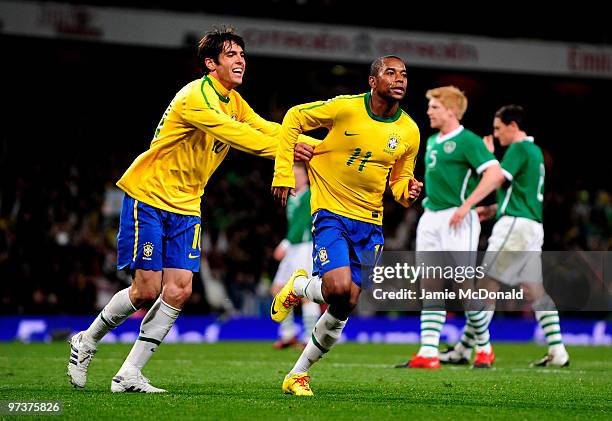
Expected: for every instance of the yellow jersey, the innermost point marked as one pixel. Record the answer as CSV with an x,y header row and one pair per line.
x,y
194,135
348,172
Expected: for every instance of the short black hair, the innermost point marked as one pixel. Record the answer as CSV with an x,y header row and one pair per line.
x,y
378,64
211,45
509,113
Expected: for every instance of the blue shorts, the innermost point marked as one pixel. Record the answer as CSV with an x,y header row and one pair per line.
x,y
152,239
339,241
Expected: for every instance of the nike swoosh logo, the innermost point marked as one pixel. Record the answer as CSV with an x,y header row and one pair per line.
x,y
193,257
346,133
272,309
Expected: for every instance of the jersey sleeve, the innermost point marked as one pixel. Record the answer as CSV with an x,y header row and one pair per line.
x,y
271,128
203,112
478,155
403,170
299,119
257,122
512,161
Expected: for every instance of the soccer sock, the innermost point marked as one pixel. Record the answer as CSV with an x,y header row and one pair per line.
x,y
467,341
325,334
153,329
431,326
287,328
549,323
112,315
310,314
311,288
479,320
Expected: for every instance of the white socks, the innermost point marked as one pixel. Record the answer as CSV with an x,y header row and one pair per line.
x,y
310,288
154,328
112,315
310,314
549,323
326,333
479,321
431,326
287,328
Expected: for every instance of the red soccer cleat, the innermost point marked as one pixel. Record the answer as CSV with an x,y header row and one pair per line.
x,y
484,359
283,344
418,361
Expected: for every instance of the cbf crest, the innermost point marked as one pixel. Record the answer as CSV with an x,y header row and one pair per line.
x,y
392,143
147,250
323,255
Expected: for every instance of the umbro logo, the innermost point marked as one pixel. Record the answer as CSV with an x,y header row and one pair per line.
x,y
346,133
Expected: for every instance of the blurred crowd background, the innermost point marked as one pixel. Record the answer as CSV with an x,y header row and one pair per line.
x,y
76,114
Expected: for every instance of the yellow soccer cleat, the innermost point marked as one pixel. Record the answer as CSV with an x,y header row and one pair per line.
x,y
297,384
286,299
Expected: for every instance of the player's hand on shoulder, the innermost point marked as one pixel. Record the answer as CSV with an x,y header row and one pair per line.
x,y
488,141
303,152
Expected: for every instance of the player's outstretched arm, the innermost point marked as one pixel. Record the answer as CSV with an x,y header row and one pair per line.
x,y
298,119
304,149
204,113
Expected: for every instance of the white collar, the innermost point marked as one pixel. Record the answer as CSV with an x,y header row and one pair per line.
x,y
448,135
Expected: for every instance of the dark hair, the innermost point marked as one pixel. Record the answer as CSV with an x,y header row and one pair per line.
x,y
378,64
211,46
509,113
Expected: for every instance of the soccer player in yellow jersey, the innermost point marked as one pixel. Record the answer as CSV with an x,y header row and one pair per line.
x,y
159,234
369,138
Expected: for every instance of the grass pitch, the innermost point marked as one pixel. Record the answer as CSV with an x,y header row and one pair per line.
x,y
242,380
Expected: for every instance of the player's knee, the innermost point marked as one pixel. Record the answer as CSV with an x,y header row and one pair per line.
x,y
177,295
140,294
354,296
339,289
145,287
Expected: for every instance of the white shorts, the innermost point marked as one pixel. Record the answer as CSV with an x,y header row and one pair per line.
x,y
434,234
514,254
298,256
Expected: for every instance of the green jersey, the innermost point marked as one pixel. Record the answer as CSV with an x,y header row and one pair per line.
x,y
299,218
523,166
453,164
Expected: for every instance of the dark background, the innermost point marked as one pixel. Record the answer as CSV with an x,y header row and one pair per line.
x,y
76,114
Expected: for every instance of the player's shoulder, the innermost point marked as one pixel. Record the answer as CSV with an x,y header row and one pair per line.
x,y
347,100
197,92
338,102
187,89
469,136
407,121
526,146
469,140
